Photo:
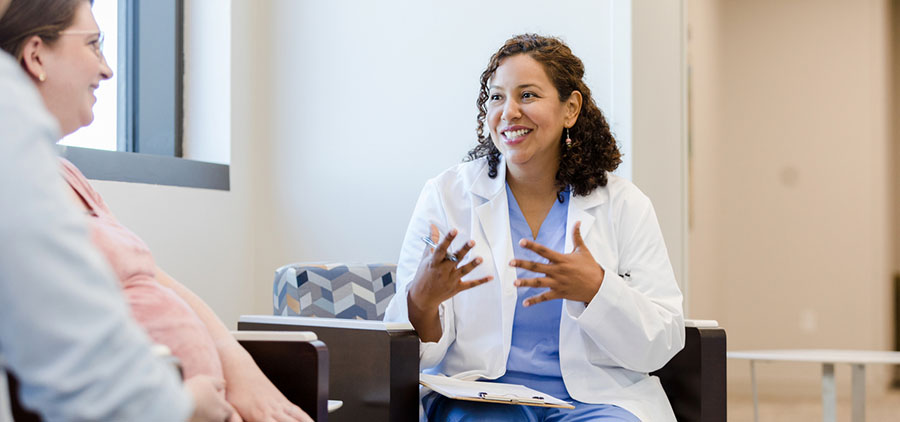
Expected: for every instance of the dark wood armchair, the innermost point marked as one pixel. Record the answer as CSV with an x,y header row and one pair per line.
x,y
375,368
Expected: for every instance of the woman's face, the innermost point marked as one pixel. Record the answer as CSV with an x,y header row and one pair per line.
x,y
73,67
524,114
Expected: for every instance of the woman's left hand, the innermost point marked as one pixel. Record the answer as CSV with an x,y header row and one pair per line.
x,y
573,276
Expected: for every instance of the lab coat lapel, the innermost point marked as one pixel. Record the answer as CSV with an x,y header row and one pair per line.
x,y
579,210
493,215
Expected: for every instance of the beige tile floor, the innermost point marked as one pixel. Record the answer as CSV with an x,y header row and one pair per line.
x,y
885,408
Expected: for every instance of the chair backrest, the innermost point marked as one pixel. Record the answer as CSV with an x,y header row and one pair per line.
x,y
338,290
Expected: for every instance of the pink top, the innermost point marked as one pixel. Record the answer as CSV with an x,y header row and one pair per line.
x,y
167,318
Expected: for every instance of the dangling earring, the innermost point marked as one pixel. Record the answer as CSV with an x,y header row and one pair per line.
x,y
42,77
568,139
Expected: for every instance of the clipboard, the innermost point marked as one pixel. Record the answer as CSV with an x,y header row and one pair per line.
x,y
490,392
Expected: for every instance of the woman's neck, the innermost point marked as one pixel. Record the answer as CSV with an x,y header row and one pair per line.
x,y
532,182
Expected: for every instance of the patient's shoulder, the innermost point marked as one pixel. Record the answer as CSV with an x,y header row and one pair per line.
x,y
80,184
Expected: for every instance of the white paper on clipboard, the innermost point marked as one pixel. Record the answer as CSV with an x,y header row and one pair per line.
x,y
494,392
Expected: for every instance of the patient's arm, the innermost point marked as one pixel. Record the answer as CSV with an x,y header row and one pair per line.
x,y
246,387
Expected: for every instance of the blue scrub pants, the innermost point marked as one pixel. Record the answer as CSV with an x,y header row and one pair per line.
x,y
442,409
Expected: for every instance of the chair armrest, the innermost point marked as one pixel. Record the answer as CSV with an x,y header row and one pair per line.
x,y
701,323
694,380
296,362
374,364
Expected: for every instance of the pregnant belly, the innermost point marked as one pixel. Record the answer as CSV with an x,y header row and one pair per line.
x,y
169,320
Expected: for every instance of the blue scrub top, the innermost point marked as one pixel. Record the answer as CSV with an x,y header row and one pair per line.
x,y
534,353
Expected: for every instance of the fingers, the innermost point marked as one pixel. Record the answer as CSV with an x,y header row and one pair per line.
x,y
298,414
441,251
543,297
466,285
235,417
465,269
541,250
577,240
534,282
218,383
209,401
460,254
226,413
531,266
285,417
435,234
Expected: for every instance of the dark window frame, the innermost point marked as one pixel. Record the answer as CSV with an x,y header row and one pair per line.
x,y
151,115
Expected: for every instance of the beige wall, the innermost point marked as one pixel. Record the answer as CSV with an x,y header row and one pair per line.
x,y
702,56
895,118
790,187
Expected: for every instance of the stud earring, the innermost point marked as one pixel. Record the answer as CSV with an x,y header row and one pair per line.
x,y
42,77
568,139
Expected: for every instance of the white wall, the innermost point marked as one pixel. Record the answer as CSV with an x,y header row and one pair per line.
x,y
369,99
373,98
207,84
339,112
660,131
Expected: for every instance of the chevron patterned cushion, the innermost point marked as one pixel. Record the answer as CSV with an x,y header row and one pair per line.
x,y
360,291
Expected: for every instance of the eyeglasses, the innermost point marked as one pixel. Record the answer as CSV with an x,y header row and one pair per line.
x,y
96,45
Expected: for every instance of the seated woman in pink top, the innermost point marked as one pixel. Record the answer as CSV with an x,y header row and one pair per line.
x,y
58,44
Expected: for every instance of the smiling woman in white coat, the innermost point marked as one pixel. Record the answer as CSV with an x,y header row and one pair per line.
x,y
548,270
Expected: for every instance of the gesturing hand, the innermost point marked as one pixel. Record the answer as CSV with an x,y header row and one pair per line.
x,y
573,276
438,278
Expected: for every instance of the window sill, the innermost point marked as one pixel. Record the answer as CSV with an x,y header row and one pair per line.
x,y
145,168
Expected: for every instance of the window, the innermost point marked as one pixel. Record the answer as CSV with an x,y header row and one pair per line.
x,y
137,129
102,134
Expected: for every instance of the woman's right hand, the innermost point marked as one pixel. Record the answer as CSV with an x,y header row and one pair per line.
x,y
437,279
209,399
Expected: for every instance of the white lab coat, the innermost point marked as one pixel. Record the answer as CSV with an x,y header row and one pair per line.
x,y
633,326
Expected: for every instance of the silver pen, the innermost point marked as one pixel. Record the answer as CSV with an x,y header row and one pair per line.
x,y
431,243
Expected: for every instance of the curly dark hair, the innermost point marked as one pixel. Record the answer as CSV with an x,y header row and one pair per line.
x,y
594,152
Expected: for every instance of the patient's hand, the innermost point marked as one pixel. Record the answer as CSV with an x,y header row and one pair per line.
x,y
209,405
253,395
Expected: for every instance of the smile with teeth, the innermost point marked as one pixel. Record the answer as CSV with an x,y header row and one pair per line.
x,y
513,134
